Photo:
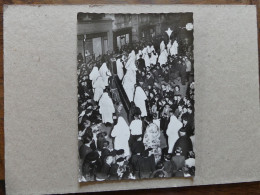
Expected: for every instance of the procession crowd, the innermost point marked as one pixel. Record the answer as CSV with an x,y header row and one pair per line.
x,y
155,137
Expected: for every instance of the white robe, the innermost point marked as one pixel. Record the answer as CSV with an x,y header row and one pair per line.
x,y
130,65
149,49
153,58
129,82
174,48
144,51
152,48
105,73
139,100
172,131
132,54
99,87
138,55
147,60
162,46
119,68
106,108
121,133
94,74
163,58
169,45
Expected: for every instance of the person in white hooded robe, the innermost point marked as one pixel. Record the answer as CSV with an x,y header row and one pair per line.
x,y
154,57
163,57
162,47
147,60
98,87
138,55
105,73
174,48
139,100
121,133
119,68
169,45
106,108
129,82
94,74
172,132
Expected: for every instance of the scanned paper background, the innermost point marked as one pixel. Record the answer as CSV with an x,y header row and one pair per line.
x,y
40,51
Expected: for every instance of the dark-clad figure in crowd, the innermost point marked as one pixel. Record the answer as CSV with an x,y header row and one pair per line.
x,y
137,149
184,142
146,164
141,63
179,162
169,166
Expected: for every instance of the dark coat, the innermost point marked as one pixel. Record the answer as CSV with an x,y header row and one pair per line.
x,y
113,172
105,169
147,166
141,64
137,147
186,145
169,167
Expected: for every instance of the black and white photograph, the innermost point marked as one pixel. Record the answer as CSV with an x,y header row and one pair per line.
x,y
135,96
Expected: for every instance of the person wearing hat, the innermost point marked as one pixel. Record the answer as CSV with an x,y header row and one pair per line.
x,y
116,172
146,164
159,172
90,166
168,165
107,165
120,153
183,142
178,161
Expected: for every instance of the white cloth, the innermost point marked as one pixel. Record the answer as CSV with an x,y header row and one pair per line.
x,y
147,60
129,82
139,100
152,48
99,86
149,50
94,74
121,133
106,108
105,73
136,127
138,55
163,57
153,58
190,162
132,54
119,68
172,132
188,65
162,46
174,48
169,45
144,51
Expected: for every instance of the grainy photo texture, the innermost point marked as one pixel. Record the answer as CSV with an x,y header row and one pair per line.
x,y
135,96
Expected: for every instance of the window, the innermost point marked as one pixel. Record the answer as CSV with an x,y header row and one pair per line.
x,y
122,40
